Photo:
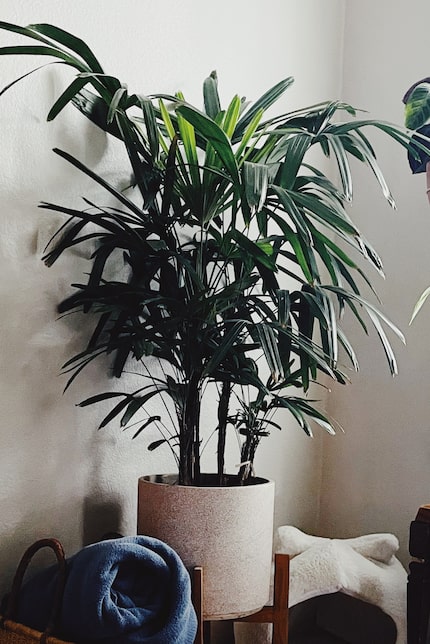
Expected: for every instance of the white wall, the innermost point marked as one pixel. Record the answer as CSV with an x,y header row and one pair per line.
x,y
377,473
58,475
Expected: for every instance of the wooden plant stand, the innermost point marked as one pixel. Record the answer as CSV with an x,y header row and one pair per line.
x,y
276,614
418,617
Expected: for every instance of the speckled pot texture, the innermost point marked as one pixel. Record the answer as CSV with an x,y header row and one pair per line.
x,y
226,530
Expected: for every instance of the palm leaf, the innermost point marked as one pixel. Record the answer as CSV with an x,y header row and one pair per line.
x,y
231,116
80,166
39,50
114,105
70,41
423,297
211,96
263,103
342,164
255,179
66,97
210,131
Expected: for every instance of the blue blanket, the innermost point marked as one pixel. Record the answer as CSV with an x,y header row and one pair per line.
x,y
119,591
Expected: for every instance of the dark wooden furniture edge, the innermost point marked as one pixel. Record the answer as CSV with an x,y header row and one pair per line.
x,y
418,589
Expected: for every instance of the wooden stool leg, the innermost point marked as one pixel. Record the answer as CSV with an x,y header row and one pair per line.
x,y
280,599
197,597
278,613
207,632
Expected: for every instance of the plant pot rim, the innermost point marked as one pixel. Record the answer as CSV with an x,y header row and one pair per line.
x,y
208,480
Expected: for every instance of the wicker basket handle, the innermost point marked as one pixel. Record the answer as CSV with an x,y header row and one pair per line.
x,y
12,604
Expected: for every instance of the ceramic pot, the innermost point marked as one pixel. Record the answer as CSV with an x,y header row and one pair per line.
x,y
226,530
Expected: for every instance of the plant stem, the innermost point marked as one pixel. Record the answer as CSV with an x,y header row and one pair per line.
x,y
222,427
189,463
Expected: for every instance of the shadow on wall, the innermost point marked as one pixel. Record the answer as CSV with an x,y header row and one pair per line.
x,y
19,531
100,518
93,520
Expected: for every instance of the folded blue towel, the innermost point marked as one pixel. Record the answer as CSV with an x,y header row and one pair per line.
x,y
119,591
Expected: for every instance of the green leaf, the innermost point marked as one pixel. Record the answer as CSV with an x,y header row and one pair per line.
x,y
115,102
269,344
99,180
24,31
150,124
231,116
248,134
263,103
384,340
227,342
324,213
321,308
188,138
99,397
367,305
297,414
94,108
14,82
169,179
371,161
116,410
417,108
256,181
210,131
348,348
132,408
291,209
257,254
210,95
284,307
167,120
423,297
302,253
156,444
78,368
38,50
149,421
376,316
66,97
69,40
343,165
295,151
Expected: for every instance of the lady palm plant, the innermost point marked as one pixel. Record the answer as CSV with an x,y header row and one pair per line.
x,y
239,254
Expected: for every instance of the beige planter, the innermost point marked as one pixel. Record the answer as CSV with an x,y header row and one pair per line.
x,y
226,530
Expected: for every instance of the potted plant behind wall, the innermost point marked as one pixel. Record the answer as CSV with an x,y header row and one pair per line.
x,y
240,259
417,120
